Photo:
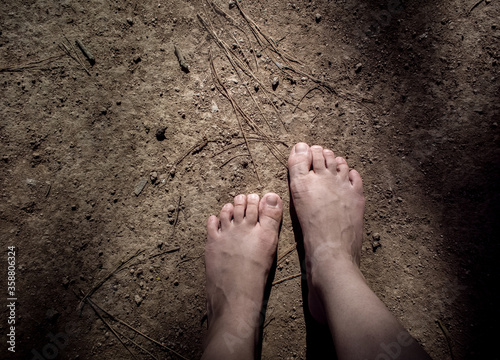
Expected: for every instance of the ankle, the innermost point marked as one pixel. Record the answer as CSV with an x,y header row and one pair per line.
x,y
325,272
232,334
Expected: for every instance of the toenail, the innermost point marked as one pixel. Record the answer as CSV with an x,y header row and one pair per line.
x,y
301,148
253,197
239,198
327,151
272,200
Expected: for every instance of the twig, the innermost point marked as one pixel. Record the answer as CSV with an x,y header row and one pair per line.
x,y
67,50
234,157
221,12
268,322
110,274
229,148
109,327
176,214
137,331
78,58
222,89
475,6
233,59
286,253
182,62
272,148
188,259
286,279
29,65
307,93
85,52
194,149
48,190
136,344
256,30
243,143
165,252
446,335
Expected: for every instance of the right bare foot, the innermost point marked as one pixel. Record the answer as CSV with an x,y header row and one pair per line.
x,y
329,202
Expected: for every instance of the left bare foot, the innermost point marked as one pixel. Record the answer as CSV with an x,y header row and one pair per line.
x,y
239,253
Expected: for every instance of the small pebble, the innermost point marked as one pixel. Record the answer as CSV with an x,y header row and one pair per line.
x,y
276,82
130,21
232,4
153,177
376,237
138,300
318,18
160,133
176,282
358,68
52,315
140,186
215,108
376,245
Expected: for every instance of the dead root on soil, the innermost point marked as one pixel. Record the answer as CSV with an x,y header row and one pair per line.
x,y
238,56
286,279
121,337
108,276
30,65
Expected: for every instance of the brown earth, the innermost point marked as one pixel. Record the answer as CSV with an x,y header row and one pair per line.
x,y
407,91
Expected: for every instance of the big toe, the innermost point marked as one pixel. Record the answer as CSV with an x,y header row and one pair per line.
x,y
270,211
300,160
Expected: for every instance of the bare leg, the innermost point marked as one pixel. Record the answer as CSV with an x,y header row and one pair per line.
x,y
239,253
329,202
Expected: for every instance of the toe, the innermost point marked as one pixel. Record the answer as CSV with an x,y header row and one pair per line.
x,y
331,162
226,216
240,203
212,227
342,167
356,181
252,210
270,211
319,163
299,162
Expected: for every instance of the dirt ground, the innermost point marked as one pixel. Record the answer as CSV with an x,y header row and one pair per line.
x,y
407,91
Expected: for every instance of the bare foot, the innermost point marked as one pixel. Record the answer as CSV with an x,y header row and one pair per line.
x,y
239,253
329,202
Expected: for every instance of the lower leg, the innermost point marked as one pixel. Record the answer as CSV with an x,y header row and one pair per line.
x,y
329,202
239,253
